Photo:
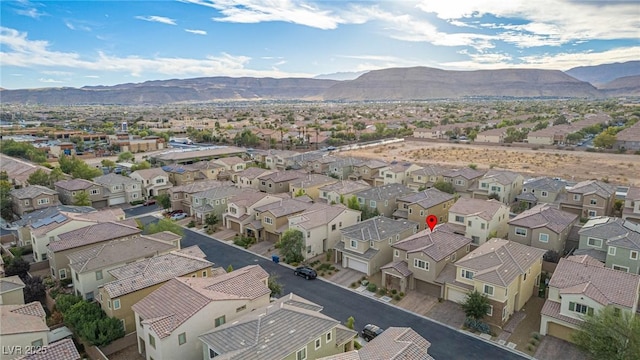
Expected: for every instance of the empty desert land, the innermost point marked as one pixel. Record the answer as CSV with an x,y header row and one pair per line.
x,y
623,169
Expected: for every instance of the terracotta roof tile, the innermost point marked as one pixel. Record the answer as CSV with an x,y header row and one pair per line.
x,y
485,209
438,244
544,215
427,198
59,350
23,318
93,234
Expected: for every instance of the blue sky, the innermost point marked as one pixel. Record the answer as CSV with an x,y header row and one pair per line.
x,y
78,43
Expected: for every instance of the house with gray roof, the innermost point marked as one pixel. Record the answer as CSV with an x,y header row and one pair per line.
x,y
310,185
155,181
543,227
24,236
479,219
212,201
69,189
631,209
171,318
272,219
464,180
542,190
241,212
426,176
382,199
31,198
249,178
590,198
343,167
322,164
503,183
581,286
507,272
289,328
119,189
368,170
278,182
181,196
341,191
11,290
417,206
366,246
396,173
138,279
180,175
628,139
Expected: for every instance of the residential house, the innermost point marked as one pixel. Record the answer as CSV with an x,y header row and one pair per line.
x,y
543,227
272,219
212,201
343,167
613,241
18,170
241,209
279,159
507,272
341,191
289,328
155,181
31,198
69,189
417,206
506,185
366,246
398,173
83,238
11,290
182,174
170,319
628,139
232,164
181,195
278,182
382,199
303,160
119,189
543,190
310,185
60,350
464,180
581,285
208,170
22,225
478,219
631,209
138,279
22,327
322,165
590,198
367,171
393,343
419,259
249,178
425,177
90,267
47,229
320,225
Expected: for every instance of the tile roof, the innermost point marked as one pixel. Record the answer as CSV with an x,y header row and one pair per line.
x,y
10,283
427,198
23,318
400,266
29,192
500,261
166,236
158,269
552,309
253,173
93,234
485,209
220,192
546,184
318,215
150,173
344,187
604,285
615,231
198,186
373,164
75,184
396,343
591,253
544,215
467,173
429,170
312,180
273,332
385,192
248,197
503,177
281,176
19,169
438,244
589,187
34,216
231,160
633,193
376,229
48,224
115,179
283,207
169,306
632,133
60,350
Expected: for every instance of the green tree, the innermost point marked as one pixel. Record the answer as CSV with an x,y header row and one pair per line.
x,y
274,285
6,204
4,176
473,166
65,301
82,199
472,135
299,193
143,165
350,322
17,266
78,168
229,268
39,177
604,140
445,186
125,156
164,200
164,225
292,245
609,334
475,305
56,175
211,219
368,212
34,289
352,203
101,331
108,163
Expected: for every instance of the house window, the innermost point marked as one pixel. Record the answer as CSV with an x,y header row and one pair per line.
x,y
521,231
43,201
354,244
333,227
135,196
63,274
488,289
593,202
594,242
268,220
95,191
633,255
612,250
219,321
459,219
318,343
396,253
421,212
504,313
482,226
543,237
459,182
152,341
484,185
453,257
182,338
406,256
421,264
241,308
37,343
469,223
621,268
544,194
301,354
116,304
468,248
99,275
475,239
580,308
204,273
109,304
372,204
576,197
592,213
495,188
122,322
328,337
490,311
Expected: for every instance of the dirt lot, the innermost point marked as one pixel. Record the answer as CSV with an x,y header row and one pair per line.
x,y
576,165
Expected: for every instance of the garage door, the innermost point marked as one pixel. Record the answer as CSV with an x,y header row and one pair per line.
x,y
357,265
116,201
456,295
559,331
234,226
427,288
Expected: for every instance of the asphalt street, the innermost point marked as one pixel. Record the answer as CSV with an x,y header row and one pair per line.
x,y
341,303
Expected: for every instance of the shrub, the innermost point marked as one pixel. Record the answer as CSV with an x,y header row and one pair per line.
x,y
535,335
533,342
381,291
394,291
372,287
530,347
191,224
137,202
356,345
477,325
401,294
397,297
353,285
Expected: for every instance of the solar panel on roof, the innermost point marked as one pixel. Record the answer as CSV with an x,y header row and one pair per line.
x,y
37,224
47,221
59,218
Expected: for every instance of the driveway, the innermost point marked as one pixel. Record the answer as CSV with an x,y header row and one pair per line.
x,y
417,302
447,312
346,277
550,348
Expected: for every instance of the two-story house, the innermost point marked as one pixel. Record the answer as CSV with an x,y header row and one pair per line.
x,y
505,184
69,189
417,206
581,285
543,227
478,219
22,225
366,246
181,195
90,267
180,175
464,180
505,271
138,279
248,178
22,327
11,290
31,198
212,201
279,159
155,181
241,209
341,191
119,189
613,241
590,198
278,182
631,209
272,219
383,198
232,164
419,259
425,177
320,225
170,319
310,185
543,190
84,238
367,170
321,165
208,170
343,167
398,173
289,328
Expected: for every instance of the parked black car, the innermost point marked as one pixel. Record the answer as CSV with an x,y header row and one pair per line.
x,y
370,331
306,272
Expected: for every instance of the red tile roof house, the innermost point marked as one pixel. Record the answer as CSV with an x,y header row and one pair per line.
x,y
582,285
22,326
170,319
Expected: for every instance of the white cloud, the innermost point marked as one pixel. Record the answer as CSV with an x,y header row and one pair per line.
x,y
31,12
159,19
375,62
75,25
50,81
197,32
92,76
56,73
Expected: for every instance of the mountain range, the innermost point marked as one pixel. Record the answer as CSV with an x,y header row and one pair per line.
x,y
416,83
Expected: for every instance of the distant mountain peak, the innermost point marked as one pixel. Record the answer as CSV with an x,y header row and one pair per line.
x,y
341,76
